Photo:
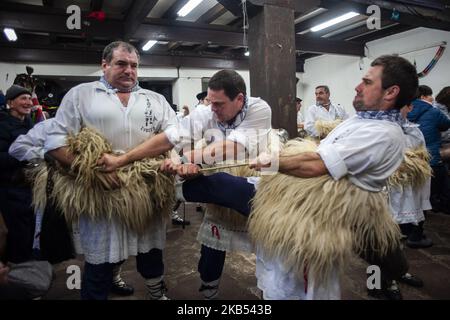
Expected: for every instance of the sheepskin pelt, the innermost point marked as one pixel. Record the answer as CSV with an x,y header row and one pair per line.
x,y
318,222
37,176
414,170
229,218
145,193
324,127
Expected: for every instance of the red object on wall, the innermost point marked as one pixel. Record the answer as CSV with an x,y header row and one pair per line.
x,y
97,15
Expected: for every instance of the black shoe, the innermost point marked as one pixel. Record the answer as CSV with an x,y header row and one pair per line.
x,y
390,293
209,292
422,243
121,288
411,280
393,293
179,221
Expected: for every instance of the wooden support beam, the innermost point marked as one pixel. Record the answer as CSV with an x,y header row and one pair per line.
x,y
405,18
112,29
171,13
333,12
308,44
272,68
136,15
300,6
49,55
212,14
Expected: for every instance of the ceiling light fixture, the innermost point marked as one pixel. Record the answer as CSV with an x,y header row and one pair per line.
x,y
334,21
188,7
10,34
149,44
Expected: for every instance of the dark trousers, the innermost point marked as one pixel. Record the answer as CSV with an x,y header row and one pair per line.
x,y
222,189
13,292
414,232
97,278
15,206
393,265
210,265
440,189
225,190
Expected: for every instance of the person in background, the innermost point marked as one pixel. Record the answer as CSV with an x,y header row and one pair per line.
x,y
15,194
432,122
323,110
2,101
126,116
30,147
300,118
442,102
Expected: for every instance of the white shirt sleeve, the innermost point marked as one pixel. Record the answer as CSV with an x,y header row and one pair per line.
x,y
300,118
67,120
192,127
31,145
361,152
310,121
169,122
342,113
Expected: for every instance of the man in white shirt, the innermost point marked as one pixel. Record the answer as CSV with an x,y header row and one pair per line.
x,y
30,147
234,125
300,118
322,110
203,99
125,115
366,149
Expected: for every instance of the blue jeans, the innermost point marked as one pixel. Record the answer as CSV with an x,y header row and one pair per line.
x,y
222,189
97,278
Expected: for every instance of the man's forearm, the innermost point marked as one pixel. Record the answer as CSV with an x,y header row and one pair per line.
x,y
304,165
217,152
63,156
153,147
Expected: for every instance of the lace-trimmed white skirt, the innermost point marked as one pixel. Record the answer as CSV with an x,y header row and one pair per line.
x,y
111,242
217,236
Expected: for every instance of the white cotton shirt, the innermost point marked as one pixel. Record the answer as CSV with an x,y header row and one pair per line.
x,y
300,118
368,151
30,146
253,129
407,203
203,123
314,113
93,105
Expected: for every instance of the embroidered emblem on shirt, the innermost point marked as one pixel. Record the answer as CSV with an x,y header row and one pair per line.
x,y
149,118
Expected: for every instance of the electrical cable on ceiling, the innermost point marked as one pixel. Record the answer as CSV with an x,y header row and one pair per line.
x,y
244,23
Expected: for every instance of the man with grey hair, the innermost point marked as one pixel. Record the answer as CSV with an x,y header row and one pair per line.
x,y
125,115
323,110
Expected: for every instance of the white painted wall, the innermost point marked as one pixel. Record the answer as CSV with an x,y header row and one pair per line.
x,y
343,73
187,83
